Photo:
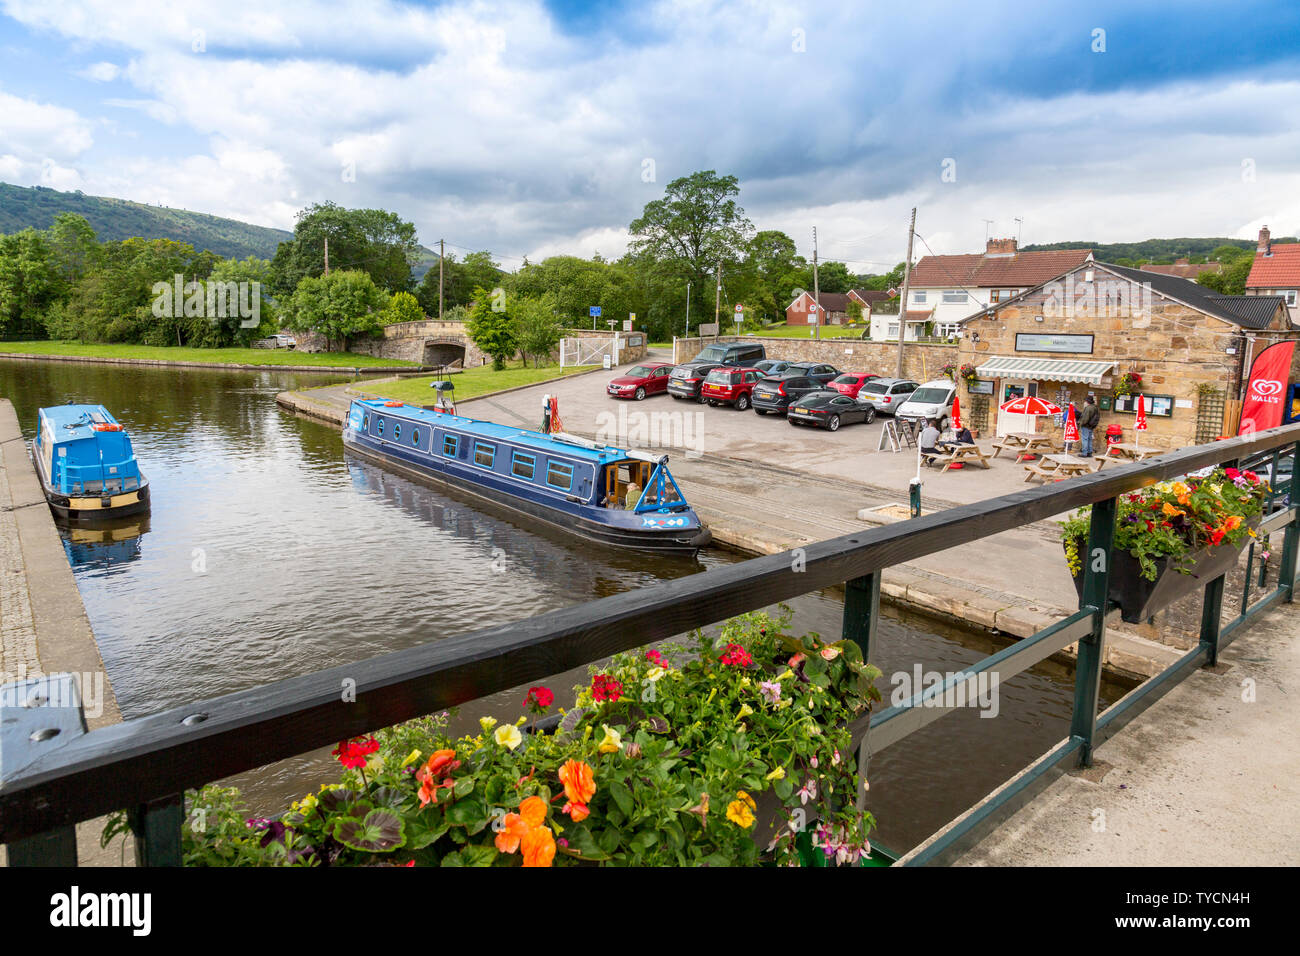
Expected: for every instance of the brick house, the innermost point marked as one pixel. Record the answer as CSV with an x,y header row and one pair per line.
x,y
1079,333
1276,271
835,306
953,288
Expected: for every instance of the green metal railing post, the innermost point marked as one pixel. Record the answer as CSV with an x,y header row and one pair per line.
x,y
861,612
1286,569
157,829
1096,590
1211,616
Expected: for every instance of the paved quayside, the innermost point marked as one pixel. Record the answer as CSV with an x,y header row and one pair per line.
x,y
43,623
758,508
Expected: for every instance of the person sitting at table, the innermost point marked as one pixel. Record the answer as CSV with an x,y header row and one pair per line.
x,y
929,440
962,437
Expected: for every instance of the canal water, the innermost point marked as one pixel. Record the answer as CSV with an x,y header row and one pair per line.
x,y
270,553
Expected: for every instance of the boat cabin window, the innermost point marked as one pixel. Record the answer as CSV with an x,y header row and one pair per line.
x,y
379,425
450,445
365,422
619,476
415,436
521,465
484,454
397,431
559,475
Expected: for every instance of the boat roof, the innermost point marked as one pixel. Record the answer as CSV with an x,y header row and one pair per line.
x,y
492,430
72,422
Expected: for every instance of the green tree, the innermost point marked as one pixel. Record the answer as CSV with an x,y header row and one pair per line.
x,y
490,328
339,306
248,281
537,330
834,277
460,279
403,307
1232,280
73,247
373,241
29,284
695,226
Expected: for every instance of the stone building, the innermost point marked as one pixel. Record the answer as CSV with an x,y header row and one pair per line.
x,y
1081,333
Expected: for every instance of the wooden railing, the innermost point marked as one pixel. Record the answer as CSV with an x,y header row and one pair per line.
x,y
54,773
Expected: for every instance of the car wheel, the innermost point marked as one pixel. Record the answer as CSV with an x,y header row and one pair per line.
x,y
742,403
943,423
834,423
871,416
640,394
702,400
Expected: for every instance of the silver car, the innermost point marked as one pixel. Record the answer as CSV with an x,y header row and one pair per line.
x,y
887,394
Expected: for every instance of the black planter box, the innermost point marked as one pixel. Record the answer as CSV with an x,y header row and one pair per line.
x,y
1139,599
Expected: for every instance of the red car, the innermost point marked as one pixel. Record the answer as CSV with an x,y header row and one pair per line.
x,y
729,385
850,383
640,381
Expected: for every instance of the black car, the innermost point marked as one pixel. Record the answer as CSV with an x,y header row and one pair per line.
x,y
774,394
744,354
830,410
685,381
770,367
822,374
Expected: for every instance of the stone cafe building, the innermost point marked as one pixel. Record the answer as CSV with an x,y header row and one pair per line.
x,y
1080,333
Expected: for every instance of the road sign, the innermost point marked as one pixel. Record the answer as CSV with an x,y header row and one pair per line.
x,y
708,328
739,307
594,311
627,325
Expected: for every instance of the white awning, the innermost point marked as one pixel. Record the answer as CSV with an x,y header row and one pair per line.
x,y
1045,370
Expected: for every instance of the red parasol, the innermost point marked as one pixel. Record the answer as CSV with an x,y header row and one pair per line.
x,y
956,413
1140,423
1030,405
1071,426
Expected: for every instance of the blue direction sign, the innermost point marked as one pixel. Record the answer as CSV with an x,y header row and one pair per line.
x,y
594,311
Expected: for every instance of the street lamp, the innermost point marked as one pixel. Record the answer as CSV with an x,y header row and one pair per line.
x,y
687,332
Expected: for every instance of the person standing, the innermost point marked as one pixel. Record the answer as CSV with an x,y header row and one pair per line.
x,y
1089,419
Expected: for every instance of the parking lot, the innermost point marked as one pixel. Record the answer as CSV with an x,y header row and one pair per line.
x,y
687,428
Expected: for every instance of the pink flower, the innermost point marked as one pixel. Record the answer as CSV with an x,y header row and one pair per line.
x,y
736,656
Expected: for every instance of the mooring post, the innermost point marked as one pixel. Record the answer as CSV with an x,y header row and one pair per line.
x,y
861,612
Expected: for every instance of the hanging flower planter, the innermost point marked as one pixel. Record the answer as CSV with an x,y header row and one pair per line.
x,y
1171,539
1127,383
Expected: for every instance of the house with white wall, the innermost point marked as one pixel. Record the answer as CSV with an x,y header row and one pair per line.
x,y
1276,271
944,290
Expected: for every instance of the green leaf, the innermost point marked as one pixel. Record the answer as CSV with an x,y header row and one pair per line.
x,y
464,786
381,831
466,812
479,855
622,796
783,788
644,841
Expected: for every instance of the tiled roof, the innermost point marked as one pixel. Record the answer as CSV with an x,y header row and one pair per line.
x,y
830,301
1248,311
1184,270
986,272
1280,270
871,295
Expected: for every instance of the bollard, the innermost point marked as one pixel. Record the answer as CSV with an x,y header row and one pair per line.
x,y
914,496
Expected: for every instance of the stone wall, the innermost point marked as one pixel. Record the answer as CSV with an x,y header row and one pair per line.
x,y
1174,347
920,362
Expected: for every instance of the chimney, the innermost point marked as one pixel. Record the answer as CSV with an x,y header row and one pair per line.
x,y
1263,248
1000,247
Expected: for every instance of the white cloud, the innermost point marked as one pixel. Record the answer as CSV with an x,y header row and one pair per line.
x,y
101,72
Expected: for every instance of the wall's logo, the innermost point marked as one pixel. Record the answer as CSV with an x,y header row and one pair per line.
x,y
1266,389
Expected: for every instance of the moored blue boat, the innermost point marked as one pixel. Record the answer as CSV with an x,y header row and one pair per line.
x,y
86,464
602,493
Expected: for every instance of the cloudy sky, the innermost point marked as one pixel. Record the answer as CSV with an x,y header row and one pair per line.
x,y
531,128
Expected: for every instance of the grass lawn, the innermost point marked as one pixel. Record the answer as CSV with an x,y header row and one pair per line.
x,y
469,384
176,354
805,332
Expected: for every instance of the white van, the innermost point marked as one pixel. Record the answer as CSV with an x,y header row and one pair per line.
x,y
931,400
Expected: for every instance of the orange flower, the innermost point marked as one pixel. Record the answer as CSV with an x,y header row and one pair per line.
x,y
539,846
533,810
1171,510
579,781
514,829
577,811
1232,523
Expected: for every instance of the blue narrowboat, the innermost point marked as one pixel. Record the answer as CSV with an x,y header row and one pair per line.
x,y
86,465
607,494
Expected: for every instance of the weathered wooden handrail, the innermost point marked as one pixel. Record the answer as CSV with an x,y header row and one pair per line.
x,y
147,762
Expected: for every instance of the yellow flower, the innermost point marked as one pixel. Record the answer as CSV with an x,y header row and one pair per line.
x,y
745,711
741,810
784,674
777,774
613,741
1180,489
487,723
412,757
508,736
654,673
1217,489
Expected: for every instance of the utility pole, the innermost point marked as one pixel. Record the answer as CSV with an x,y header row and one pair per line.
x,y
687,333
817,296
902,304
442,254
717,299
327,255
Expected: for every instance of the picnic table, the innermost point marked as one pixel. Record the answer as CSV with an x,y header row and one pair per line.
x,y
1024,443
961,452
1058,467
1133,452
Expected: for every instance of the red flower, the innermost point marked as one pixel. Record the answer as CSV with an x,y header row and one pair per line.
x,y
353,753
604,687
538,699
657,657
1232,473
1251,477
736,656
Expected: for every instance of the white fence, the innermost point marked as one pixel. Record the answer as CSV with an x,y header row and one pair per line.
x,y
589,351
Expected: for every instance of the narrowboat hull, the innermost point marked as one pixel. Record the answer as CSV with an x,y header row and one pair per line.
x,y
663,541
86,508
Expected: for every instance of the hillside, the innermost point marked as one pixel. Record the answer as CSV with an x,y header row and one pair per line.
x,y
1149,250
37,206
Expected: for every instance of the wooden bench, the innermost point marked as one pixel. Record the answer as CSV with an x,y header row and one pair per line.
x,y
1035,470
